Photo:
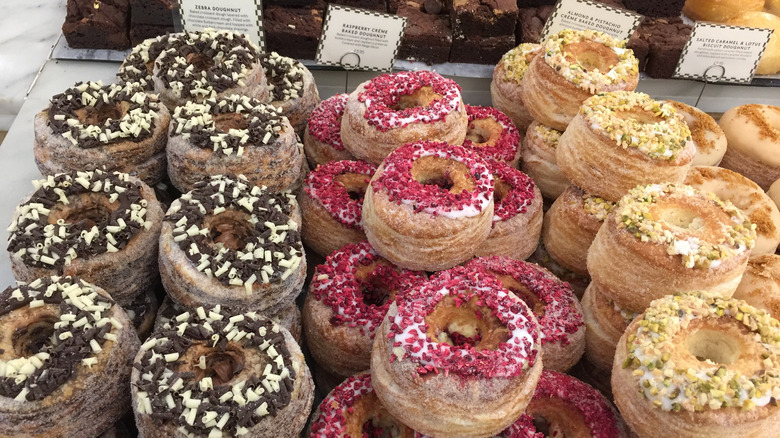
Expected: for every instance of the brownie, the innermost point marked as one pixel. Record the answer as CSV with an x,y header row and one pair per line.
x,y
97,24
530,23
392,5
151,12
640,48
293,32
534,3
666,38
140,32
481,50
292,3
656,8
485,18
427,37
375,5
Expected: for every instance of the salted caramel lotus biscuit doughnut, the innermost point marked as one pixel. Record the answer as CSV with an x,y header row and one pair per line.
x,y
95,126
492,135
542,258
760,286
138,65
322,137
233,244
219,374
707,136
573,66
291,88
553,302
539,162
571,224
622,139
398,108
100,226
694,366
605,323
348,298
753,133
507,85
208,65
664,238
429,206
65,354
746,195
233,134
331,205
517,214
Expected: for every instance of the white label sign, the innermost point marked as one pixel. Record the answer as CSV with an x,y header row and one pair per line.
x,y
591,15
241,16
359,39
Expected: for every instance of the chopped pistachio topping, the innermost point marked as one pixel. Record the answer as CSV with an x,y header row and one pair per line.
x,y
598,207
516,61
550,135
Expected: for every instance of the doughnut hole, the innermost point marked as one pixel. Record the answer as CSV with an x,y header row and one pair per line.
x,y
464,324
35,334
687,218
84,211
641,116
420,98
368,418
484,132
222,366
530,299
199,61
554,417
355,184
226,122
718,342
90,115
373,286
500,191
450,175
708,345
231,228
591,56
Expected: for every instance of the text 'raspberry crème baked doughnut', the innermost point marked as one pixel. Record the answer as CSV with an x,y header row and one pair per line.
x,y
552,301
429,206
694,365
394,109
492,135
208,65
576,65
100,226
348,298
707,136
665,238
92,126
291,87
65,359
506,87
517,214
760,285
539,161
220,374
322,139
605,323
753,133
622,139
332,204
233,244
233,134
138,66
457,357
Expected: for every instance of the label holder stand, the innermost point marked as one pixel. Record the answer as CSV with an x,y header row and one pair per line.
x,y
707,80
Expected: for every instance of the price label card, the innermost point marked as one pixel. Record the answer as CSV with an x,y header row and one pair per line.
x,y
720,53
359,39
591,15
241,16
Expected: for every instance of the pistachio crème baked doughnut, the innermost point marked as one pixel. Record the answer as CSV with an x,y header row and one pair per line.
x,y
605,323
706,134
100,226
291,88
665,238
492,135
332,205
694,366
398,108
459,357
211,373
233,134
95,126
622,139
66,352
322,137
507,85
573,66
429,206
753,133
539,162
230,243
571,224
760,286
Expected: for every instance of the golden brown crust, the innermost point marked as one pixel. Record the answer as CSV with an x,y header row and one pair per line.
x,y
507,97
601,336
569,230
318,152
760,285
539,162
753,133
321,232
518,237
718,11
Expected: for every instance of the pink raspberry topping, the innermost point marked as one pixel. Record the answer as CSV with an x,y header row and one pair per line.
x,y
321,185
505,147
324,123
337,406
520,195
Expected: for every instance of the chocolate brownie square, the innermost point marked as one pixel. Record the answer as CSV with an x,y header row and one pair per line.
x,y
666,38
656,8
97,24
427,37
293,32
530,24
640,48
140,32
486,18
153,12
481,50
292,3
375,5
534,3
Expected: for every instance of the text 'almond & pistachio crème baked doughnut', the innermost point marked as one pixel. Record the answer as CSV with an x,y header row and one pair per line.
x,y
539,162
753,133
605,323
694,366
66,350
100,226
322,138
492,135
573,66
291,88
398,108
95,126
219,374
429,206
622,139
233,134
459,357
760,285
707,136
233,244
506,87
665,238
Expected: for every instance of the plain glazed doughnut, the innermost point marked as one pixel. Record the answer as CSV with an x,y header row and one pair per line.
x,y
506,88
292,88
707,136
539,162
322,138
753,132
694,366
769,63
492,135
429,206
719,11
394,109
760,286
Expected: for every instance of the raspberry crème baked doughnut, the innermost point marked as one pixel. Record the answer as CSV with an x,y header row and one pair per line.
x,y
398,108
292,88
753,133
760,286
573,66
694,366
539,162
622,139
100,226
138,65
65,359
221,374
233,244
233,134
667,238
95,126
506,89
322,137
492,135
332,203
553,302
605,323
429,206
517,214
348,298
459,357
707,136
